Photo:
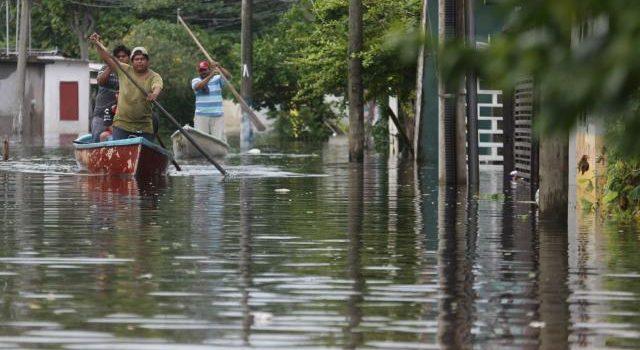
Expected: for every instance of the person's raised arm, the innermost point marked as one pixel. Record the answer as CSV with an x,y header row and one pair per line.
x,y
102,51
203,83
103,77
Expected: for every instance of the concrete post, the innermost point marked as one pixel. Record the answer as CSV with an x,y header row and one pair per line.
x,y
246,88
554,174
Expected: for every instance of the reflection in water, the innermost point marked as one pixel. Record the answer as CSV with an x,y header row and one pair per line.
x,y
455,253
246,215
374,256
354,270
553,291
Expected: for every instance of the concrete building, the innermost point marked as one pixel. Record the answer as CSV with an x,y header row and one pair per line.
x,y
57,90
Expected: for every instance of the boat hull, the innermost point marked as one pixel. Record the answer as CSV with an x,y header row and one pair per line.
x,y
183,149
134,157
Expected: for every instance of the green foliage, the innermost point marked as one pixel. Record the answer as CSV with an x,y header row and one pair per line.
x,y
380,133
300,50
622,192
582,54
304,56
308,123
53,22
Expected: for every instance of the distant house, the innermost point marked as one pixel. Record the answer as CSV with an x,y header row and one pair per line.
x,y
58,93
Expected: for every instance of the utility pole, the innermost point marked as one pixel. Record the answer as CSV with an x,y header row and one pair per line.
x,y
451,121
21,107
17,23
246,42
6,37
356,111
417,137
473,167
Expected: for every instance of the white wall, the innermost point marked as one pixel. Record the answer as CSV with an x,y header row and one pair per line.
x,y
54,74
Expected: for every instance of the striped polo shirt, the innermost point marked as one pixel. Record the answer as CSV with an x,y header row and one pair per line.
x,y
209,104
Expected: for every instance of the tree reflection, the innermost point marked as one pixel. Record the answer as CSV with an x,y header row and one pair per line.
x,y
553,290
353,338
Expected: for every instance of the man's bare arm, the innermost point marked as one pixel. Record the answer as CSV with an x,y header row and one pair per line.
x,y
153,95
103,77
203,83
95,38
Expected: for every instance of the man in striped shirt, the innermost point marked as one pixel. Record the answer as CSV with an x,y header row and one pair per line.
x,y
208,91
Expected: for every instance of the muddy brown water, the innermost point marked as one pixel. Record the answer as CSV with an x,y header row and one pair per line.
x,y
300,250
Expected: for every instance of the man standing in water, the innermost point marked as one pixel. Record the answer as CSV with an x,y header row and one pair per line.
x,y
207,87
107,89
134,115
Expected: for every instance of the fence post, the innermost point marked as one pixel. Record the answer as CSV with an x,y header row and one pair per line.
x,y
5,150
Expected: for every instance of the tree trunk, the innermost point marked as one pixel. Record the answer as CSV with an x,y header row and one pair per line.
x,y
21,109
83,25
356,111
554,172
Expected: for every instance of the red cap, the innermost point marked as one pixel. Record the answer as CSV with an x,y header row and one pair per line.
x,y
203,65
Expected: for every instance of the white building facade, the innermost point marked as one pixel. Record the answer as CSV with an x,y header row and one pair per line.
x,y
58,96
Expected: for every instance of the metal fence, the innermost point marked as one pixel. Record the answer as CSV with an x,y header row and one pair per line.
x,y
490,134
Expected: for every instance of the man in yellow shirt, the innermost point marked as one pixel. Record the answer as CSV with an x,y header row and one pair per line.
x,y
134,115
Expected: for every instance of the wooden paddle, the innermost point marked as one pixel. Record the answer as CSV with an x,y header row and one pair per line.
x,y
164,111
252,116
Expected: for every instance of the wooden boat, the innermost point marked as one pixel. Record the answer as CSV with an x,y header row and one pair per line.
x,y
183,149
133,156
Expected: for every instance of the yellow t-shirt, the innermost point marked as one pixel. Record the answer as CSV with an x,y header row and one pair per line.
x,y
134,111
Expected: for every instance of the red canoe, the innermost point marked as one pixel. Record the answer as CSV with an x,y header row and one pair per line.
x,y
132,156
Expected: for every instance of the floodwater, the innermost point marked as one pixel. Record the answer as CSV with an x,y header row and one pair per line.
x,y
301,250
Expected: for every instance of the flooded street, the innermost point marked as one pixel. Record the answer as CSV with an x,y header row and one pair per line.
x,y
301,250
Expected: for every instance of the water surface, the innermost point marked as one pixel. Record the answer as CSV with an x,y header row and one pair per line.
x,y
300,250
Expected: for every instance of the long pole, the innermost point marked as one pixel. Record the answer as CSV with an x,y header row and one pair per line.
x,y
21,112
356,109
164,111
472,105
254,119
246,54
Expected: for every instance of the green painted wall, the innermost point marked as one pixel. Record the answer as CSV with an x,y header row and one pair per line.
x,y
489,22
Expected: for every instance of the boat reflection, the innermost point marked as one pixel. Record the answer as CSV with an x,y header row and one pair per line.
x,y
131,186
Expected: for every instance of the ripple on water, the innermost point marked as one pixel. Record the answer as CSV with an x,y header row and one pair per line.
x,y
338,262
65,261
243,171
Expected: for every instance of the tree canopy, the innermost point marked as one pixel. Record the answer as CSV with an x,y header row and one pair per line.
x,y
582,54
300,47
